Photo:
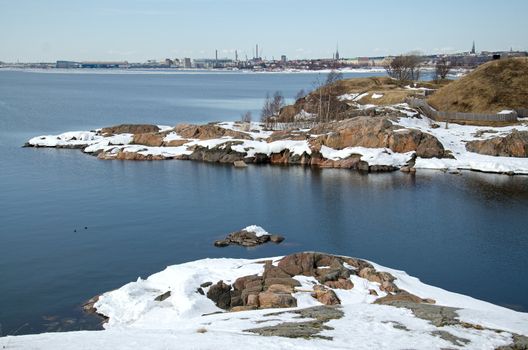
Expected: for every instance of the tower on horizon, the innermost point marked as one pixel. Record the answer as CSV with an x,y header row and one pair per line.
x,y
473,51
337,52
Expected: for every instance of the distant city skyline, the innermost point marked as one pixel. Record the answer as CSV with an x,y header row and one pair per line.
x,y
139,30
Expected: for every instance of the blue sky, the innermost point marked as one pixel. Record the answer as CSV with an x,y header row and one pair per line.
x,y
137,30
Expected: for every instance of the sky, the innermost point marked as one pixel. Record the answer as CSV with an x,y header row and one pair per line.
x,y
138,30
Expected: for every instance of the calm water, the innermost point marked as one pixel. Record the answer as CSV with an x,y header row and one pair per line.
x,y
466,233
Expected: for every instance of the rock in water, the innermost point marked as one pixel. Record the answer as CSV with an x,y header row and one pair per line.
x,y
239,164
249,237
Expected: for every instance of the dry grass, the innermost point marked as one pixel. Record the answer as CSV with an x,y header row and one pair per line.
x,y
393,91
494,86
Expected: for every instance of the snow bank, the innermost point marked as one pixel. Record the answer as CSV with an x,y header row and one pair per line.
x,y
137,321
352,97
67,139
373,156
257,230
454,139
133,305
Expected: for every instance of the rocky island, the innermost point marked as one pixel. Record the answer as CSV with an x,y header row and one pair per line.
x,y
362,124
401,139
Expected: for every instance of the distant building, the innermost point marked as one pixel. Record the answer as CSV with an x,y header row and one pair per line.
x,y
187,62
473,51
67,64
104,64
363,61
211,62
284,59
169,62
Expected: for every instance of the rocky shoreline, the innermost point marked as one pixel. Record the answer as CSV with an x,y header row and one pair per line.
x,y
398,138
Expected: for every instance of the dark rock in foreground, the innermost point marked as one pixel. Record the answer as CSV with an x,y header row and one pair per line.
x,y
307,329
275,288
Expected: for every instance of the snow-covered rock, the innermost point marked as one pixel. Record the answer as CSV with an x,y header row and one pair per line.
x,y
187,319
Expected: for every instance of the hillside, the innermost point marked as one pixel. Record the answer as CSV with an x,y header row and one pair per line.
x,y
348,95
493,87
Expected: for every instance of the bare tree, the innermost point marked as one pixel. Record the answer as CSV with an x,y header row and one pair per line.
x,y
267,113
278,103
300,94
318,89
271,109
405,68
246,117
442,68
333,77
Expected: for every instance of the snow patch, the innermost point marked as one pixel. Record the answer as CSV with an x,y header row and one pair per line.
x,y
257,230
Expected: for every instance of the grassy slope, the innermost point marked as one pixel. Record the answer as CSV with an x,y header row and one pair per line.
x,y
494,86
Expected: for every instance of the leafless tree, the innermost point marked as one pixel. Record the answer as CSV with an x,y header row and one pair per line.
x,y
333,77
442,68
325,96
246,117
318,86
300,94
278,103
271,109
405,68
267,112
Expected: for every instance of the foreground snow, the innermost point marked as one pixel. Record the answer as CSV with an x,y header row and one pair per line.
x,y
452,138
137,321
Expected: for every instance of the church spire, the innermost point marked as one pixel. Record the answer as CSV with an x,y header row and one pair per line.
x,y
473,48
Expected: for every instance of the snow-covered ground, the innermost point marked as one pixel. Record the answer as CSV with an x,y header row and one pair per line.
x,y
452,138
138,322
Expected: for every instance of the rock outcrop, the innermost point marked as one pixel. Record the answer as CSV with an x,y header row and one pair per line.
x,y
514,144
376,132
152,139
318,317
247,238
130,129
207,132
275,287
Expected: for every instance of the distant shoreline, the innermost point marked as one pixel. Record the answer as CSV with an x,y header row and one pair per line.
x,y
182,71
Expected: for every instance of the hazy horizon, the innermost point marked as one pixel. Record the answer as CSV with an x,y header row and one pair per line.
x,y
139,30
